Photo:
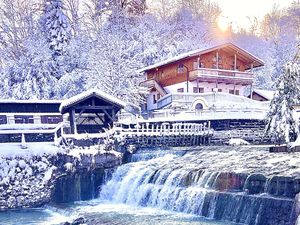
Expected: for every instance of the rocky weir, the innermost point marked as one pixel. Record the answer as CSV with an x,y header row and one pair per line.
x,y
245,185
34,178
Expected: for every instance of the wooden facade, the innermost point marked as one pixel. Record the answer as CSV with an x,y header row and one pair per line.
x,y
224,58
30,112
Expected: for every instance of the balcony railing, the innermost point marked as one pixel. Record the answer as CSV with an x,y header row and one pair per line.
x,y
219,73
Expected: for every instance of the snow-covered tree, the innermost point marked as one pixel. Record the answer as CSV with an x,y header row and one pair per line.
x,y
17,23
31,76
113,65
56,26
282,124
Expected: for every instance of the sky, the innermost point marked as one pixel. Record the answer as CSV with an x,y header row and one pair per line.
x,y
237,11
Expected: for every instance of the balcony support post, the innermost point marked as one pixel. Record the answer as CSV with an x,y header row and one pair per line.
x,y
234,62
197,85
234,74
251,88
217,62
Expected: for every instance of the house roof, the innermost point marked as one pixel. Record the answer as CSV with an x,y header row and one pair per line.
x,y
267,94
87,94
242,54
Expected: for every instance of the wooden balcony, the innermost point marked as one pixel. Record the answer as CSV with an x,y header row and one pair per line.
x,y
219,75
154,84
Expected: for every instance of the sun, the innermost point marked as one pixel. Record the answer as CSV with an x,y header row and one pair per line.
x,y
223,23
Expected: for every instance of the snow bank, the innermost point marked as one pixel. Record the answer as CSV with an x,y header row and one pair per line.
x,y
93,150
27,126
237,141
11,150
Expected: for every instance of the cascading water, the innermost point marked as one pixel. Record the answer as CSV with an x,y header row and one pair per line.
x,y
149,153
168,184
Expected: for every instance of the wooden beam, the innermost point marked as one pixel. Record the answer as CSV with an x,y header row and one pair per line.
x,y
235,61
93,101
107,114
80,114
103,121
72,121
86,107
113,114
217,59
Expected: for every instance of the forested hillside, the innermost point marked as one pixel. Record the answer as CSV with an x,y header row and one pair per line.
x,y
52,49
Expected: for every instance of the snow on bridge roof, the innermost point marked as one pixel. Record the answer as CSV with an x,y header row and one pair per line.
x,y
87,94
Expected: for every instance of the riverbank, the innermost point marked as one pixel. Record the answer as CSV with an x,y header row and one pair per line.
x,y
30,177
237,184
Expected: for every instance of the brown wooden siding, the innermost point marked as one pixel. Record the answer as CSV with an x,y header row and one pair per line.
x,y
168,74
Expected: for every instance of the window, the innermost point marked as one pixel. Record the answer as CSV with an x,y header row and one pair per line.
x,y
180,90
199,106
158,96
3,119
196,65
154,99
237,92
51,119
24,119
180,68
219,90
198,90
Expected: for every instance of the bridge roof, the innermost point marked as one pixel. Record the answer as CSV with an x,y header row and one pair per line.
x,y
107,99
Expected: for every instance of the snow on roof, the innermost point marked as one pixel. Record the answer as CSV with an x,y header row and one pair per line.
x,y
202,51
30,101
265,93
93,92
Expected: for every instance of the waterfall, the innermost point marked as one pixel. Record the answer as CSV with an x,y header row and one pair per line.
x,y
164,183
80,185
149,153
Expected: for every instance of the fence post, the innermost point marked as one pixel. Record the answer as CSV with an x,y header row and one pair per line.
x,y
23,142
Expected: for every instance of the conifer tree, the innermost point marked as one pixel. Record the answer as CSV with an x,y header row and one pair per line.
x,y
282,124
56,26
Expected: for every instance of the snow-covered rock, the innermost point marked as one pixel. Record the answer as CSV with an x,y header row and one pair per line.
x,y
237,141
28,176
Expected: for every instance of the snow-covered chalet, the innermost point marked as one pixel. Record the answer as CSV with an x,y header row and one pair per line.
x,y
213,84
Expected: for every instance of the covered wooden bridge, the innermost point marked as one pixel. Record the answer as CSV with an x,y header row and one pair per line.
x,y
91,111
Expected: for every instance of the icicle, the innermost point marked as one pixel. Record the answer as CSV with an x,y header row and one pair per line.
x,y
23,143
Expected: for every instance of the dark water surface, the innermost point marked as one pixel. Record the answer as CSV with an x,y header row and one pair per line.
x,y
100,212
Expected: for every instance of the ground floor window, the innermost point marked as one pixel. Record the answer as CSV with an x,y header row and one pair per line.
x,y
236,92
51,119
199,106
198,90
24,119
3,119
180,90
154,99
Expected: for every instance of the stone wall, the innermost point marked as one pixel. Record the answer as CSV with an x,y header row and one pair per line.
x,y
34,181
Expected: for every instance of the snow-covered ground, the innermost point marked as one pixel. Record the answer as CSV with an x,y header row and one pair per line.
x,y
11,150
242,159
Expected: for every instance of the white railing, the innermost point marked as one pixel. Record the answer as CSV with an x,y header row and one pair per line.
x,y
208,114
166,129
220,73
38,130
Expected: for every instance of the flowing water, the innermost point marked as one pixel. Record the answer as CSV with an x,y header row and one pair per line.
x,y
101,212
165,190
